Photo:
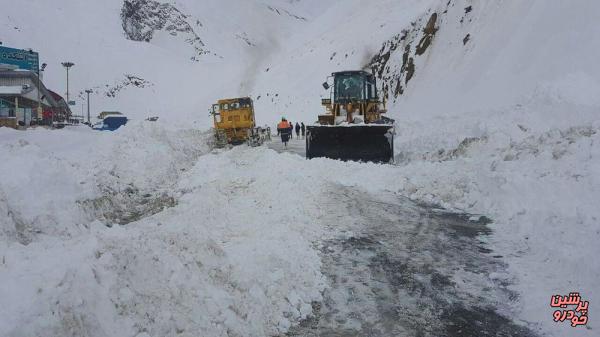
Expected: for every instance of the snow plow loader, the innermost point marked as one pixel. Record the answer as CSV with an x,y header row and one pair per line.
x,y
353,126
234,123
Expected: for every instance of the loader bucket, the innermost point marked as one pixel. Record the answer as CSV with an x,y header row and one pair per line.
x,y
370,142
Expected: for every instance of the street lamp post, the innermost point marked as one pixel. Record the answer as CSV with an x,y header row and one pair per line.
x,y
88,92
68,66
39,81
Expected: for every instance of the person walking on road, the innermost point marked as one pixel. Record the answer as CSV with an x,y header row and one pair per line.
x,y
283,129
303,129
297,130
291,129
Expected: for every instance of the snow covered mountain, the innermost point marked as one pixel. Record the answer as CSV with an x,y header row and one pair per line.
x,y
474,54
496,104
174,49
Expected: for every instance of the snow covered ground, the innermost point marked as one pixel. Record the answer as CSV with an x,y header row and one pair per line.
x,y
220,259
148,232
228,242
540,188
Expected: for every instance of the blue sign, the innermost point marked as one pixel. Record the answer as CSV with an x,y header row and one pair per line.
x,y
23,59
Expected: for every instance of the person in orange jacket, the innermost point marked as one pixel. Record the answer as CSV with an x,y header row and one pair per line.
x,y
284,130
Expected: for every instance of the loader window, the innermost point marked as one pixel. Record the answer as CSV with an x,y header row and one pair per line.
x,y
234,106
371,91
349,87
245,102
215,109
371,87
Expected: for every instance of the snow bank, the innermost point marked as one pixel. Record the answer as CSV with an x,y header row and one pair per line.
x,y
226,257
59,179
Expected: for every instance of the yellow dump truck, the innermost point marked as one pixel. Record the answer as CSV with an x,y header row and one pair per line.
x,y
234,122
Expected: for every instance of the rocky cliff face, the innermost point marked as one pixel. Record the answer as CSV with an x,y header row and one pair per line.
x,y
141,19
394,65
405,54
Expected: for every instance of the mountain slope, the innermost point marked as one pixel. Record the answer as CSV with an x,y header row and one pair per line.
x,y
176,49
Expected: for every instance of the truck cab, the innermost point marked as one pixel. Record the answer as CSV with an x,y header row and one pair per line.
x,y
234,117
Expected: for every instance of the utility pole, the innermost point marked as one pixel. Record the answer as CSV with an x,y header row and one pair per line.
x,y
68,66
17,111
88,92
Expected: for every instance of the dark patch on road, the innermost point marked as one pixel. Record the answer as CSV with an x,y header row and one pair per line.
x,y
404,269
478,321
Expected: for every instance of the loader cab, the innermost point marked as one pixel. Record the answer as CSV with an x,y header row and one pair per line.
x,y
353,87
353,126
353,95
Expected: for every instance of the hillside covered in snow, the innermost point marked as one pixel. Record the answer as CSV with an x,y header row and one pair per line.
x,y
149,232
147,57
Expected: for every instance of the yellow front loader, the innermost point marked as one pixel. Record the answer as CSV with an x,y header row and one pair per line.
x,y
353,126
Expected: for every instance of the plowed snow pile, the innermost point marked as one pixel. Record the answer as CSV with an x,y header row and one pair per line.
x,y
222,257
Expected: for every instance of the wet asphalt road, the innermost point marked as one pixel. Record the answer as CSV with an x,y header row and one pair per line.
x,y
399,268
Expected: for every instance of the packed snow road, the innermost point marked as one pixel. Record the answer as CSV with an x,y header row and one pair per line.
x,y
295,145
405,269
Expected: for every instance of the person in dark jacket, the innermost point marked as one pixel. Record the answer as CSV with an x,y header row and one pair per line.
x,y
283,128
303,129
297,130
291,130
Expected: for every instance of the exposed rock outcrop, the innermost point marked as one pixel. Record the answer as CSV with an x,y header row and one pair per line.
x,y
141,19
